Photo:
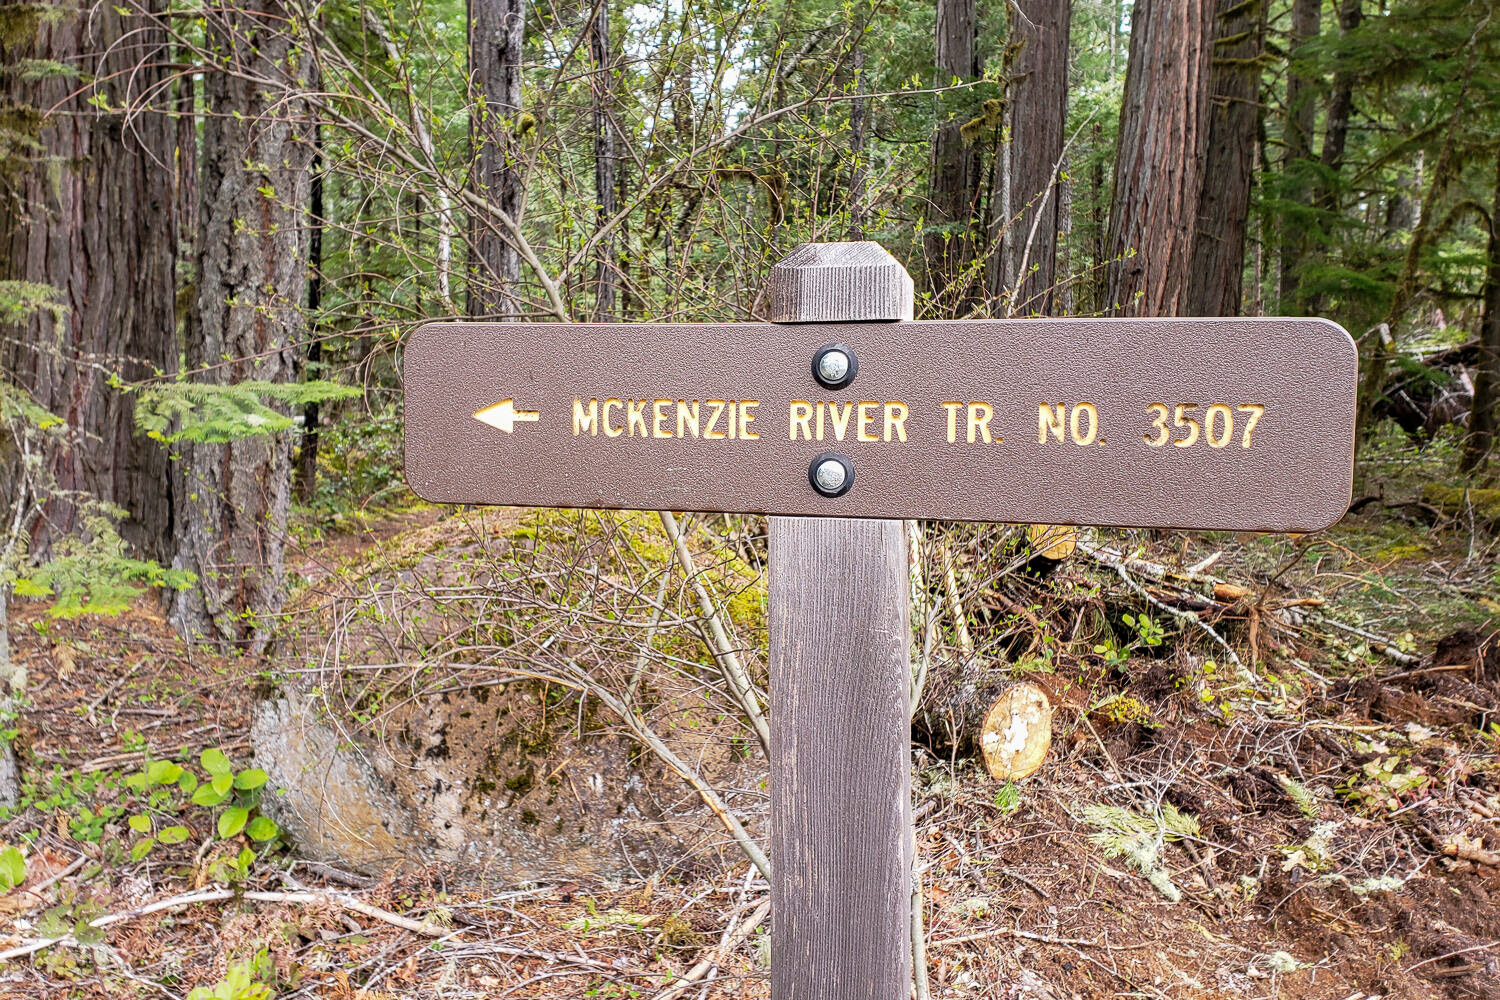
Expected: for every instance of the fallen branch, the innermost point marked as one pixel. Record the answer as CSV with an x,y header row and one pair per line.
x,y
1379,644
1122,567
1464,849
1014,932
422,927
722,649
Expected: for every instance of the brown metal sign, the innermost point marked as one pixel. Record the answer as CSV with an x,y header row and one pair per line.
x,y
1244,424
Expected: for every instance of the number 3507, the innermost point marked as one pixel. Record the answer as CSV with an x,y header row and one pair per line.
x,y
1216,428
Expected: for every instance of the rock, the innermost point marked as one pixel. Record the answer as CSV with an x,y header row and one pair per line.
x,y
480,781
324,793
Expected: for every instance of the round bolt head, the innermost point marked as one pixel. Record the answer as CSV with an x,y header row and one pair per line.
x,y
831,474
834,366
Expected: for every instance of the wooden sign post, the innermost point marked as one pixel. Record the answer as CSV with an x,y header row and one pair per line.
x,y
841,841
840,418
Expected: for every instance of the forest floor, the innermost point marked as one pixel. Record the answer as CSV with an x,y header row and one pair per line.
x,y
1331,831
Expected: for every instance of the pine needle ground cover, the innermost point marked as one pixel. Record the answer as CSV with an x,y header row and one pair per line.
x,y
1319,823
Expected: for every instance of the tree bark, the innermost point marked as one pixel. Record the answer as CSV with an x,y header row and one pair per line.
x,y
1336,134
257,150
497,31
1028,215
955,164
1484,416
859,168
1216,277
606,180
86,207
312,414
1159,160
1301,114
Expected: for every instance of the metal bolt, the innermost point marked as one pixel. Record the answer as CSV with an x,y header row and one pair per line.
x,y
831,474
833,366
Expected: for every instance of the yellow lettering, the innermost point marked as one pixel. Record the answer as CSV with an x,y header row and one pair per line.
x,y
1158,424
585,420
840,424
979,421
685,411
819,407
635,416
1219,414
659,417
952,409
716,410
1181,419
747,418
800,416
609,429
1084,409
1256,411
895,420
1046,421
866,418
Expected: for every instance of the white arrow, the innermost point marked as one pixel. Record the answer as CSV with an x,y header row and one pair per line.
x,y
504,416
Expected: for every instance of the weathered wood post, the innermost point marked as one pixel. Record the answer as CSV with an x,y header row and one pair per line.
x,y
840,693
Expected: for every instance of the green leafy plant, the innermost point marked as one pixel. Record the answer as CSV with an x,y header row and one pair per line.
x,y
234,794
1008,798
12,868
1306,801
247,980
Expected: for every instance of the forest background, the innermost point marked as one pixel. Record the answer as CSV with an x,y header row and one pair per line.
x,y
219,222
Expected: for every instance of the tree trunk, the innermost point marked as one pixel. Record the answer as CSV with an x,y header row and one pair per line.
x,y
1335,134
258,142
1159,161
1301,113
1025,266
307,471
859,170
86,207
1216,277
1485,414
1382,349
955,164
10,767
606,181
497,30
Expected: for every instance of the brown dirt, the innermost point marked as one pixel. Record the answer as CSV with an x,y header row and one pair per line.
x,y
1397,760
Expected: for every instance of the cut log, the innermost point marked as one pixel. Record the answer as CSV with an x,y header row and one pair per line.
x,y
1050,544
1017,733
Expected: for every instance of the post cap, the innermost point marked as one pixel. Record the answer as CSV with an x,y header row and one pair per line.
x,y
839,283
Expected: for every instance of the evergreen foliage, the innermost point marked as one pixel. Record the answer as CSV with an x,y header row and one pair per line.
x,y
217,414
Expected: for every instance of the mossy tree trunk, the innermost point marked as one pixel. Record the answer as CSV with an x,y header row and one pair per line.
x,y
248,324
1485,414
1028,210
1297,134
954,182
86,207
1216,278
497,34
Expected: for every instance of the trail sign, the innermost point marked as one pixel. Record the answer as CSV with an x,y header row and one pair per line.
x,y
1187,423
859,420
